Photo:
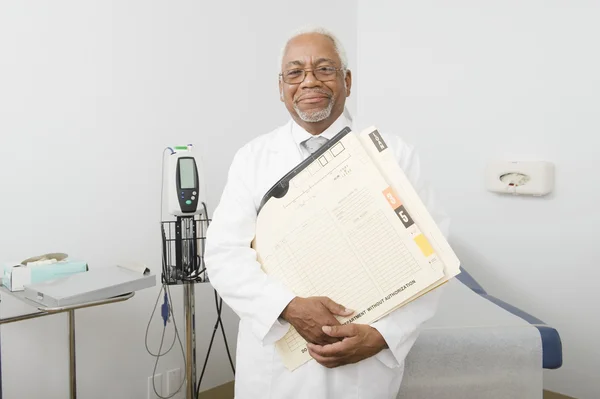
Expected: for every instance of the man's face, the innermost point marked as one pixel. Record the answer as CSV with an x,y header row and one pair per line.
x,y
314,101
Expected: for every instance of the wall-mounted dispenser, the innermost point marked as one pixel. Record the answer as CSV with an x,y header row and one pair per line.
x,y
515,177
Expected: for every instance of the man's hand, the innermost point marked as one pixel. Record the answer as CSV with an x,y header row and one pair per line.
x,y
359,342
309,315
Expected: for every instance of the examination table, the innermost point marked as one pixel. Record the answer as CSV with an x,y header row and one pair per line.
x,y
479,347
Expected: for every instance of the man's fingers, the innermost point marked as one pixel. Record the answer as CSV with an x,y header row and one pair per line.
x,y
348,330
325,340
325,361
336,308
334,350
327,321
318,337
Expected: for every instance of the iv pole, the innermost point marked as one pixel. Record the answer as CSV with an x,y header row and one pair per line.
x,y
189,306
189,251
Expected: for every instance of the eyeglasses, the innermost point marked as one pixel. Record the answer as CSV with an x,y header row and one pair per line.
x,y
297,76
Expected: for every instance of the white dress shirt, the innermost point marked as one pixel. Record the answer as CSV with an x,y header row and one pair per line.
x,y
259,299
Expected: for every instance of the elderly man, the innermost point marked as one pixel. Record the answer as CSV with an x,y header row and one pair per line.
x,y
352,361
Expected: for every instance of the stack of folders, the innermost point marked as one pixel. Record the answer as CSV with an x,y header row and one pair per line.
x,y
347,224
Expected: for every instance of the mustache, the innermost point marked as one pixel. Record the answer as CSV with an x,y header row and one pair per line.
x,y
311,92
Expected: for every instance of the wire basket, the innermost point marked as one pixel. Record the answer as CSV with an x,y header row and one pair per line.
x,y
183,242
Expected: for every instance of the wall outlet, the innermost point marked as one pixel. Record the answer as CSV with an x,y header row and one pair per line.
x,y
173,381
157,385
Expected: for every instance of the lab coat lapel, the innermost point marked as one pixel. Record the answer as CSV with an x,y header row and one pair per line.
x,y
284,148
285,153
282,155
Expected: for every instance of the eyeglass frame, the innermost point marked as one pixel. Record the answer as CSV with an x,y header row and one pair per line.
x,y
312,71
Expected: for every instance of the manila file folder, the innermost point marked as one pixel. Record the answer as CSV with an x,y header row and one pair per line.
x,y
346,223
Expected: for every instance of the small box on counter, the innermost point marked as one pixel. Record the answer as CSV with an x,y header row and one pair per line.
x,y
16,275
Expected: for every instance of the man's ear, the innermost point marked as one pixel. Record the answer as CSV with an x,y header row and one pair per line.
x,y
348,82
280,90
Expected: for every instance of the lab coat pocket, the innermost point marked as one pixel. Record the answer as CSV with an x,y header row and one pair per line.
x,y
254,363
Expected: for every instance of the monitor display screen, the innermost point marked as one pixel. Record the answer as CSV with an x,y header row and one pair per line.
x,y
187,173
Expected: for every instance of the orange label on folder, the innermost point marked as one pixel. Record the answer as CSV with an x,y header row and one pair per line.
x,y
391,197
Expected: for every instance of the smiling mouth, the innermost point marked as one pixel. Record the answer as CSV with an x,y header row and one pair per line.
x,y
312,100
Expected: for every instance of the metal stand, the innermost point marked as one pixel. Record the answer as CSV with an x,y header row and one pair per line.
x,y
44,311
189,306
183,264
72,365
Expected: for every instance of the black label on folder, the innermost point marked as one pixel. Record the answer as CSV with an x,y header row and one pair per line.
x,y
378,140
404,216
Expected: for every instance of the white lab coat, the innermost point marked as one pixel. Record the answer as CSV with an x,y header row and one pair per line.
x,y
259,299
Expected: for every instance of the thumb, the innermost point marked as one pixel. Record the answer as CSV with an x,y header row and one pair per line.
x,y
336,308
347,330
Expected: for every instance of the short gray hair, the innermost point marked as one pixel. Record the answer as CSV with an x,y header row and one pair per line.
x,y
339,48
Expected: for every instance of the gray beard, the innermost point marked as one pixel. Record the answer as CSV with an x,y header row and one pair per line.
x,y
316,116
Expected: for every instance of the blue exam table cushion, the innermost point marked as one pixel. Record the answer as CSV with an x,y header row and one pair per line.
x,y
551,342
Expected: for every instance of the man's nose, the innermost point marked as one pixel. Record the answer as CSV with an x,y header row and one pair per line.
x,y
310,80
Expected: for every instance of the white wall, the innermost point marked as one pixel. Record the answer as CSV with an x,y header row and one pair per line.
x,y
90,94
470,81
91,89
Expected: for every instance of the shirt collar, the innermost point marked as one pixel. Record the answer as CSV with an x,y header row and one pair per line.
x,y
300,135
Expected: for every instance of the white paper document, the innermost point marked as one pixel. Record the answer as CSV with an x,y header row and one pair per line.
x,y
347,224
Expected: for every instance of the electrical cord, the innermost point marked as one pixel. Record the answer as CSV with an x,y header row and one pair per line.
x,y
168,291
148,329
219,306
219,322
176,335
